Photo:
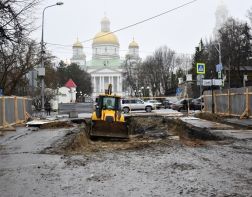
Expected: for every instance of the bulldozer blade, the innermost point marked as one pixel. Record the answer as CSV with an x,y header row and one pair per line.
x,y
107,129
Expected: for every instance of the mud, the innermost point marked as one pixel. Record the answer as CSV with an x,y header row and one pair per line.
x,y
55,125
157,160
146,132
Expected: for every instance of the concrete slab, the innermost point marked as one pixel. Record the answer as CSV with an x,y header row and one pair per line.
x,y
240,122
37,122
200,123
85,115
238,134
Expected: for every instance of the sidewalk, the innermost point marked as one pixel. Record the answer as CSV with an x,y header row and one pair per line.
x,y
246,123
205,128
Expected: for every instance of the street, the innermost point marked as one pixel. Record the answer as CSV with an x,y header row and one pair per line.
x,y
62,162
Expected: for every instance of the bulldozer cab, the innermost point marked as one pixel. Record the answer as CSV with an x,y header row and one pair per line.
x,y
107,103
107,120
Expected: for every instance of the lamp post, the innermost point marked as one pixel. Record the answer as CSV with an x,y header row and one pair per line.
x,y
42,68
148,91
139,93
142,91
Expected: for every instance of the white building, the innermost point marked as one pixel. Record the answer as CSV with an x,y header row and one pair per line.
x,y
65,94
106,65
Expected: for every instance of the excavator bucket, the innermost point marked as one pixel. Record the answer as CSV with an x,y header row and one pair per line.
x,y
109,129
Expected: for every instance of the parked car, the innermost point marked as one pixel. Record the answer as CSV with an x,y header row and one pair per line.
x,y
181,104
167,104
135,104
156,103
197,104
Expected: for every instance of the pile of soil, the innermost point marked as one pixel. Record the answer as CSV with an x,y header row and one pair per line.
x,y
145,132
210,117
57,124
148,127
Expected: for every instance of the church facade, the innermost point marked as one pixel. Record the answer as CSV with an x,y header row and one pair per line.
x,y
105,67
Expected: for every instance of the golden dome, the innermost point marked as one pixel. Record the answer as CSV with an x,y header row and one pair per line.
x,y
133,44
105,38
78,44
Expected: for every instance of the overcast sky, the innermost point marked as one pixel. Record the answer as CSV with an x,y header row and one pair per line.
x,y
180,30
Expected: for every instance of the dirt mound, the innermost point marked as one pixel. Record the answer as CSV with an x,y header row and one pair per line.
x,y
55,125
209,116
145,132
149,127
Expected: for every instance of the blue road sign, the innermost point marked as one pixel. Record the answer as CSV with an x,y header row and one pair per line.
x,y
1,92
219,67
201,68
178,90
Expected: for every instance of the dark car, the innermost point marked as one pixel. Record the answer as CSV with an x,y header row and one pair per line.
x,y
181,104
167,104
197,104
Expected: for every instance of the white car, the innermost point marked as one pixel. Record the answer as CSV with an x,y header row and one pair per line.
x,y
156,103
135,104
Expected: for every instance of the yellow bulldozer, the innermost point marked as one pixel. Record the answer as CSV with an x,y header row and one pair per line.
x,y
107,120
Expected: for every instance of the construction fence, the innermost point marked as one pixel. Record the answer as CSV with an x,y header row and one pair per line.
x,y
234,102
66,108
14,110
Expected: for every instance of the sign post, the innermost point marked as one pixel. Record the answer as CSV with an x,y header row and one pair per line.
x,y
201,70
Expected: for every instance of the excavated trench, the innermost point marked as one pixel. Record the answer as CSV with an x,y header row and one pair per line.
x,y
145,132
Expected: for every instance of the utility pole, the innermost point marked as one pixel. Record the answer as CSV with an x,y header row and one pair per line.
x,y
212,92
220,63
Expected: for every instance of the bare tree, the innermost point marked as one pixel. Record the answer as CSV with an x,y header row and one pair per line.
x,y
16,63
249,15
14,21
18,53
166,62
130,74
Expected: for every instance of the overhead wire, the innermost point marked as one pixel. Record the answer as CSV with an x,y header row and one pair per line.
x,y
132,25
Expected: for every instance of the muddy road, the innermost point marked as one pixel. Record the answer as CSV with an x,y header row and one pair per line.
x,y
156,161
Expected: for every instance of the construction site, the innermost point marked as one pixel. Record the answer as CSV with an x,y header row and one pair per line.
x,y
165,154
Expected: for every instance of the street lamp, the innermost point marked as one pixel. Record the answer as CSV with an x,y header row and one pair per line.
x,y
42,69
148,91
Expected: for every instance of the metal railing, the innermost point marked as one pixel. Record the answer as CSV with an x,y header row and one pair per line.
x,y
14,110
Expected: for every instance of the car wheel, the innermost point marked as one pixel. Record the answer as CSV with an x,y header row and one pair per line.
x,y
126,110
179,109
148,109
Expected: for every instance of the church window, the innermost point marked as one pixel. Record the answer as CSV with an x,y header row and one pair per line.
x,y
105,49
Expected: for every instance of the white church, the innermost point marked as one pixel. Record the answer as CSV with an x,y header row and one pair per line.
x,y
106,65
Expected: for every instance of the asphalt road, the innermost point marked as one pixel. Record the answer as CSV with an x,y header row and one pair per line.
x,y
163,168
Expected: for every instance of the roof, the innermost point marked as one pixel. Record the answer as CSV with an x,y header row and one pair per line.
x,y
70,84
105,38
133,44
77,44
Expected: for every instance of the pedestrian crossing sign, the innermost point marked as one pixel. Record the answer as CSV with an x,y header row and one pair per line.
x,y
201,68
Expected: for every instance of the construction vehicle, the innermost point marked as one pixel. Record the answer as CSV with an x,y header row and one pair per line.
x,y
107,120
